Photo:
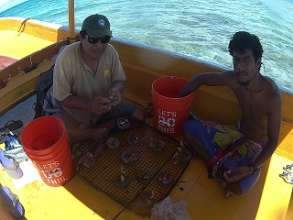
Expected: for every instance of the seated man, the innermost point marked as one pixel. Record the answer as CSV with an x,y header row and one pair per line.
x,y
88,82
236,155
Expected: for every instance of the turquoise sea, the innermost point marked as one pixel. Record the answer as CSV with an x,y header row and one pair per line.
x,y
196,28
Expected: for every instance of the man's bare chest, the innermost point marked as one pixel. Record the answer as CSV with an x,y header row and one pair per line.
x,y
253,105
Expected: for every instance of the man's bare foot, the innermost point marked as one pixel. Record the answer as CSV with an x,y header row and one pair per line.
x,y
139,114
228,194
146,112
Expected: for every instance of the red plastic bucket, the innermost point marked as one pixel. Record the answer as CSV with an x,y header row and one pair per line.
x,y
46,143
170,110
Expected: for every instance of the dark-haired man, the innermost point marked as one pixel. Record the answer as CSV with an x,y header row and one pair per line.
x,y
88,81
236,155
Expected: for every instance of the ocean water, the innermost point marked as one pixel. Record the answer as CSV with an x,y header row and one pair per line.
x,y
196,28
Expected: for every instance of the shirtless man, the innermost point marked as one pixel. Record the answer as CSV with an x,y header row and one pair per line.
x,y
237,162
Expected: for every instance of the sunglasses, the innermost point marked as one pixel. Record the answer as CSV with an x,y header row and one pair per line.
x,y
93,40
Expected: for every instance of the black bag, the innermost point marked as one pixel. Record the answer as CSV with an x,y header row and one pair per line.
x,y
44,83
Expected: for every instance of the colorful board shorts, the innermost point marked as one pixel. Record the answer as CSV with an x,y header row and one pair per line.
x,y
214,139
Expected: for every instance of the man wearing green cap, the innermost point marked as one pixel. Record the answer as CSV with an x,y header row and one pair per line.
x,y
88,81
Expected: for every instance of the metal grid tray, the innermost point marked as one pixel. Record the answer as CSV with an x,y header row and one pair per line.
x,y
156,157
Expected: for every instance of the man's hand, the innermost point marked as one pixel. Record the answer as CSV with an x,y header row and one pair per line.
x,y
236,174
115,97
100,105
210,79
188,88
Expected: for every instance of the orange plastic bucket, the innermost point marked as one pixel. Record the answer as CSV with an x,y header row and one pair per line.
x,y
170,110
46,143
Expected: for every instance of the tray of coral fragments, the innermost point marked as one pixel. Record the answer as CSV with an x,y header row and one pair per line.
x,y
136,167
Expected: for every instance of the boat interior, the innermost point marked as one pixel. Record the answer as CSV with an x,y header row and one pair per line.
x,y
27,48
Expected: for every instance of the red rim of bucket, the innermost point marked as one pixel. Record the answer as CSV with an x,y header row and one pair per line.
x,y
43,151
169,77
44,157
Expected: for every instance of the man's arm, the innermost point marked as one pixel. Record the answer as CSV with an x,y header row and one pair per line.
x,y
118,85
98,105
116,91
210,79
274,123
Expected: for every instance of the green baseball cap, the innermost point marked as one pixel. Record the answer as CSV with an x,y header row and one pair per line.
x,y
96,26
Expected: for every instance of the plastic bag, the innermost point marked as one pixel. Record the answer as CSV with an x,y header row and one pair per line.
x,y
169,210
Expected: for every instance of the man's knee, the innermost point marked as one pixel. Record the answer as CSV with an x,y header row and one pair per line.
x,y
188,132
73,127
196,130
192,127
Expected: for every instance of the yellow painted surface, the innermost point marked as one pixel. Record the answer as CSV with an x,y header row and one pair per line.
x,y
285,147
18,45
275,192
40,29
205,200
290,209
71,19
76,200
268,200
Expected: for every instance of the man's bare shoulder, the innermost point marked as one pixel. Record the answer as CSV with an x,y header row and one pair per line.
x,y
230,78
228,74
272,94
271,88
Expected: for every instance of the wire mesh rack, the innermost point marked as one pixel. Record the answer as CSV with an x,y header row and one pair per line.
x,y
146,165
